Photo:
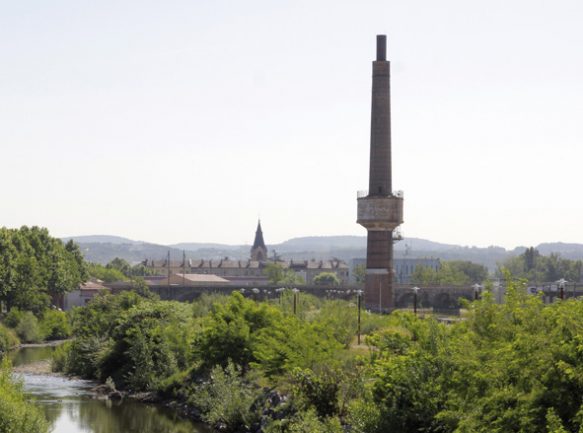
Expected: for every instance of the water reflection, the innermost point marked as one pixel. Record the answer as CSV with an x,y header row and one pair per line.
x,y
28,355
70,408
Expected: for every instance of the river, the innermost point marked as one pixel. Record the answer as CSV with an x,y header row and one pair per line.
x,y
70,407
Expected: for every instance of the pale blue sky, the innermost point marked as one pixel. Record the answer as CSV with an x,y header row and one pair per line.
x,y
185,120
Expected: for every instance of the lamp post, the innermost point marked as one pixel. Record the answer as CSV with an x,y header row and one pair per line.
x,y
358,304
415,291
280,292
496,286
477,288
561,284
295,292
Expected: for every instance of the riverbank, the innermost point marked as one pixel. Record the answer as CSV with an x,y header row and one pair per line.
x,y
79,406
38,368
52,343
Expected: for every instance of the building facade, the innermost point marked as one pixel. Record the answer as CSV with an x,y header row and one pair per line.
x,y
250,271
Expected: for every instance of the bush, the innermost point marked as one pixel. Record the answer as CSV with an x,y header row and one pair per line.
x,y
60,358
16,414
28,329
364,417
55,325
13,317
341,318
318,391
8,340
226,400
305,422
206,302
82,357
229,331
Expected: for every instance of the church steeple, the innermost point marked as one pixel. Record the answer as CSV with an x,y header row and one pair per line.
x,y
259,250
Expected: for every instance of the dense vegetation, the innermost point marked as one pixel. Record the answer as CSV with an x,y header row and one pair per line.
x,y
537,268
530,265
16,414
250,366
118,270
456,272
35,268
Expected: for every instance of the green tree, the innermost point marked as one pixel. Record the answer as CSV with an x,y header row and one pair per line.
x,y
277,274
326,279
360,274
537,268
450,272
107,275
34,266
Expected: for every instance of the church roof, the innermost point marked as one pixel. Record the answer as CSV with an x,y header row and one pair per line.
x,y
259,242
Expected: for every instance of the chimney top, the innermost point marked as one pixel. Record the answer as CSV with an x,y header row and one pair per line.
x,y
381,47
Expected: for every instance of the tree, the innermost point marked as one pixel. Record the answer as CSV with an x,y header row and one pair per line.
x,y
326,279
279,275
35,266
121,265
360,274
108,275
454,272
537,268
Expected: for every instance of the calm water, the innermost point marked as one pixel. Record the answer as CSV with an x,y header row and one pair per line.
x,y
70,408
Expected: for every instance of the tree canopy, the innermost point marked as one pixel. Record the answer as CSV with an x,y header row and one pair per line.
x,y
457,272
277,274
34,267
535,267
326,279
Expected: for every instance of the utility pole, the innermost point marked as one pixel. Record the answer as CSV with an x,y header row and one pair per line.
x,y
183,268
168,266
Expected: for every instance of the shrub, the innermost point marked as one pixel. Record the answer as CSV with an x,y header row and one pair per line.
x,y
364,417
16,414
291,343
83,357
60,358
229,331
206,302
55,325
8,339
226,400
304,422
13,317
341,318
28,329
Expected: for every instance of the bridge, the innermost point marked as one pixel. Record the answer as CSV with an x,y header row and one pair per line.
x,y
437,297
440,298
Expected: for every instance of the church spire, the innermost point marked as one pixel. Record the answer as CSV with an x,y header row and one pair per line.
x,y
259,250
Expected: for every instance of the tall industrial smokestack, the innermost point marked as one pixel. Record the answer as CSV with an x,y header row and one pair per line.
x,y
380,211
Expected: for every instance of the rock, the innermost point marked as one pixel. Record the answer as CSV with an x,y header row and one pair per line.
x,y
115,396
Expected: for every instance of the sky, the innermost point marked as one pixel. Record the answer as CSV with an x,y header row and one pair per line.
x,y
185,121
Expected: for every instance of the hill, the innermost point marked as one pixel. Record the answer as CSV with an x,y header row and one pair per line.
x,y
103,248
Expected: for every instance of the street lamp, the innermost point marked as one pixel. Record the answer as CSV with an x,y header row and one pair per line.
x,y
477,289
496,286
295,292
561,284
415,291
280,292
358,303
